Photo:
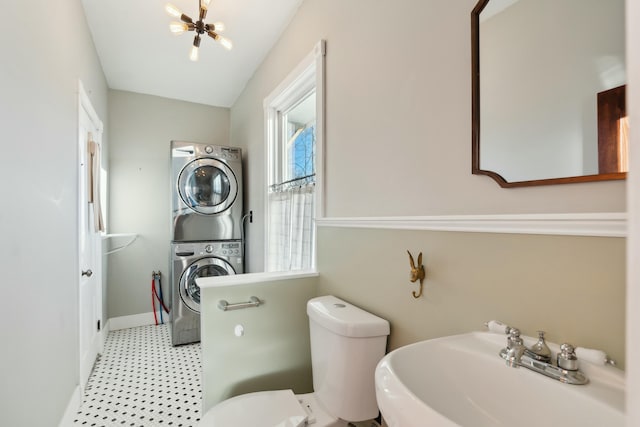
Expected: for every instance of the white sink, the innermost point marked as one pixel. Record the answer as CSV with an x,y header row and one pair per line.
x,y
461,381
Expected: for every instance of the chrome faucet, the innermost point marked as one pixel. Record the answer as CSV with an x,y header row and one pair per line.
x,y
538,358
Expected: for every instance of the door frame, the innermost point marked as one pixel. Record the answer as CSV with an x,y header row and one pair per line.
x,y
85,108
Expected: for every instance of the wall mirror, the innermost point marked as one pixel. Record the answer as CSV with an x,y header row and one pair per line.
x,y
548,86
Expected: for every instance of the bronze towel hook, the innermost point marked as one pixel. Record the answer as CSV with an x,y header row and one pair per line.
x,y
417,273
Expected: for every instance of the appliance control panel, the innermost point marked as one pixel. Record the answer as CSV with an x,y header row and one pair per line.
x,y
230,153
230,248
216,249
217,151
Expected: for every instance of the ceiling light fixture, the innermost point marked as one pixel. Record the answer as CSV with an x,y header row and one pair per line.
x,y
187,24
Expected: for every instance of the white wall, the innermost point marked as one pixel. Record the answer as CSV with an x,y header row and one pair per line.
x,y
633,247
141,128
46,47
398,119
398,142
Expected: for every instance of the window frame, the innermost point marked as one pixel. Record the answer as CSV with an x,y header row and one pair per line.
x,y
309,73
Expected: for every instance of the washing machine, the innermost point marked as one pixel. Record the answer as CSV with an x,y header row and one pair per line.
x,y
206,192
191,260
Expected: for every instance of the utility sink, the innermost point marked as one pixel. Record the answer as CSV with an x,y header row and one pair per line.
x,y
461,381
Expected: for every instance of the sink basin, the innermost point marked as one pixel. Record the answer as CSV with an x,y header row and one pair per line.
x,y
461,381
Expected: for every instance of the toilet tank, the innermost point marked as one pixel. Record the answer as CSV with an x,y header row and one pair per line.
x,y
346,345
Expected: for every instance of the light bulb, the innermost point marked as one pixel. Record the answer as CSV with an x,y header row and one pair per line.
x,y
194,53
219,27
225,42
178,27
173,11
205,4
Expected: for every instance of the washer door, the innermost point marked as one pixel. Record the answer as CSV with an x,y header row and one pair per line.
x,y
208,186
204,267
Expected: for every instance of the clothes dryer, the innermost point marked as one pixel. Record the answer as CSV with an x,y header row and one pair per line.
x,y
190,261
206,192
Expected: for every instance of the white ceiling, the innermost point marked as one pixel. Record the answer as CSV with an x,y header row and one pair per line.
x,y
139,54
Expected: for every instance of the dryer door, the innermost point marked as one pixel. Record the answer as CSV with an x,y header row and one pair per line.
x,y
208,186
203,267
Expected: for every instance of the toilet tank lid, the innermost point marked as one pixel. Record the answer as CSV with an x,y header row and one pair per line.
x,y
345,319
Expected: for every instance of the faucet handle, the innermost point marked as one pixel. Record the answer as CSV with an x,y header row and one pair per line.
x,y
514,338
567,350
497,327
513,351
567,358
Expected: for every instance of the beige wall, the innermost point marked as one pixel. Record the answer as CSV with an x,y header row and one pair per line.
x,y
571,287
398,143
398,117
141,127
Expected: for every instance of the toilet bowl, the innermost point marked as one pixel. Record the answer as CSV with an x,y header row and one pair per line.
x,y
346,345
280,408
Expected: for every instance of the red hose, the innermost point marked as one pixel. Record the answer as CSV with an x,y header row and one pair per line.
x,y
153,300
166,310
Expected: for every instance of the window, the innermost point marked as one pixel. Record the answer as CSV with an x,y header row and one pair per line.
x,y
300,125
294,124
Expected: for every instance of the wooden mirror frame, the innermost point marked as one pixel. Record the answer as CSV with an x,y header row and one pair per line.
x,y
475,122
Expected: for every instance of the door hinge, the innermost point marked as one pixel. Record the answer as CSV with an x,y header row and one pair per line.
x,y
98,326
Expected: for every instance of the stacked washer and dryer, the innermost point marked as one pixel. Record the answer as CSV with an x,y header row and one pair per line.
x,y
206,227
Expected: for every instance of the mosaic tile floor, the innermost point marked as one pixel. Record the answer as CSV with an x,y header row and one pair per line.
x,y
141,380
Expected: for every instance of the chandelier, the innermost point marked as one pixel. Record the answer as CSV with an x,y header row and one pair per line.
x,y
187,24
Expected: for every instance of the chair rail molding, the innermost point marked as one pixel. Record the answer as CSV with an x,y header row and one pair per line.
x,y
605,224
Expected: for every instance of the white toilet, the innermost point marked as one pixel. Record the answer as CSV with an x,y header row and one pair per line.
x,y
346,345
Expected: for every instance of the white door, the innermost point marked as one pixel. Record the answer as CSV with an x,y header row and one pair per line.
x,y
89,243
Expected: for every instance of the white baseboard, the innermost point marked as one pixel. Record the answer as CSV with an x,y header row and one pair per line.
x,y
72,409
104,332
132,321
